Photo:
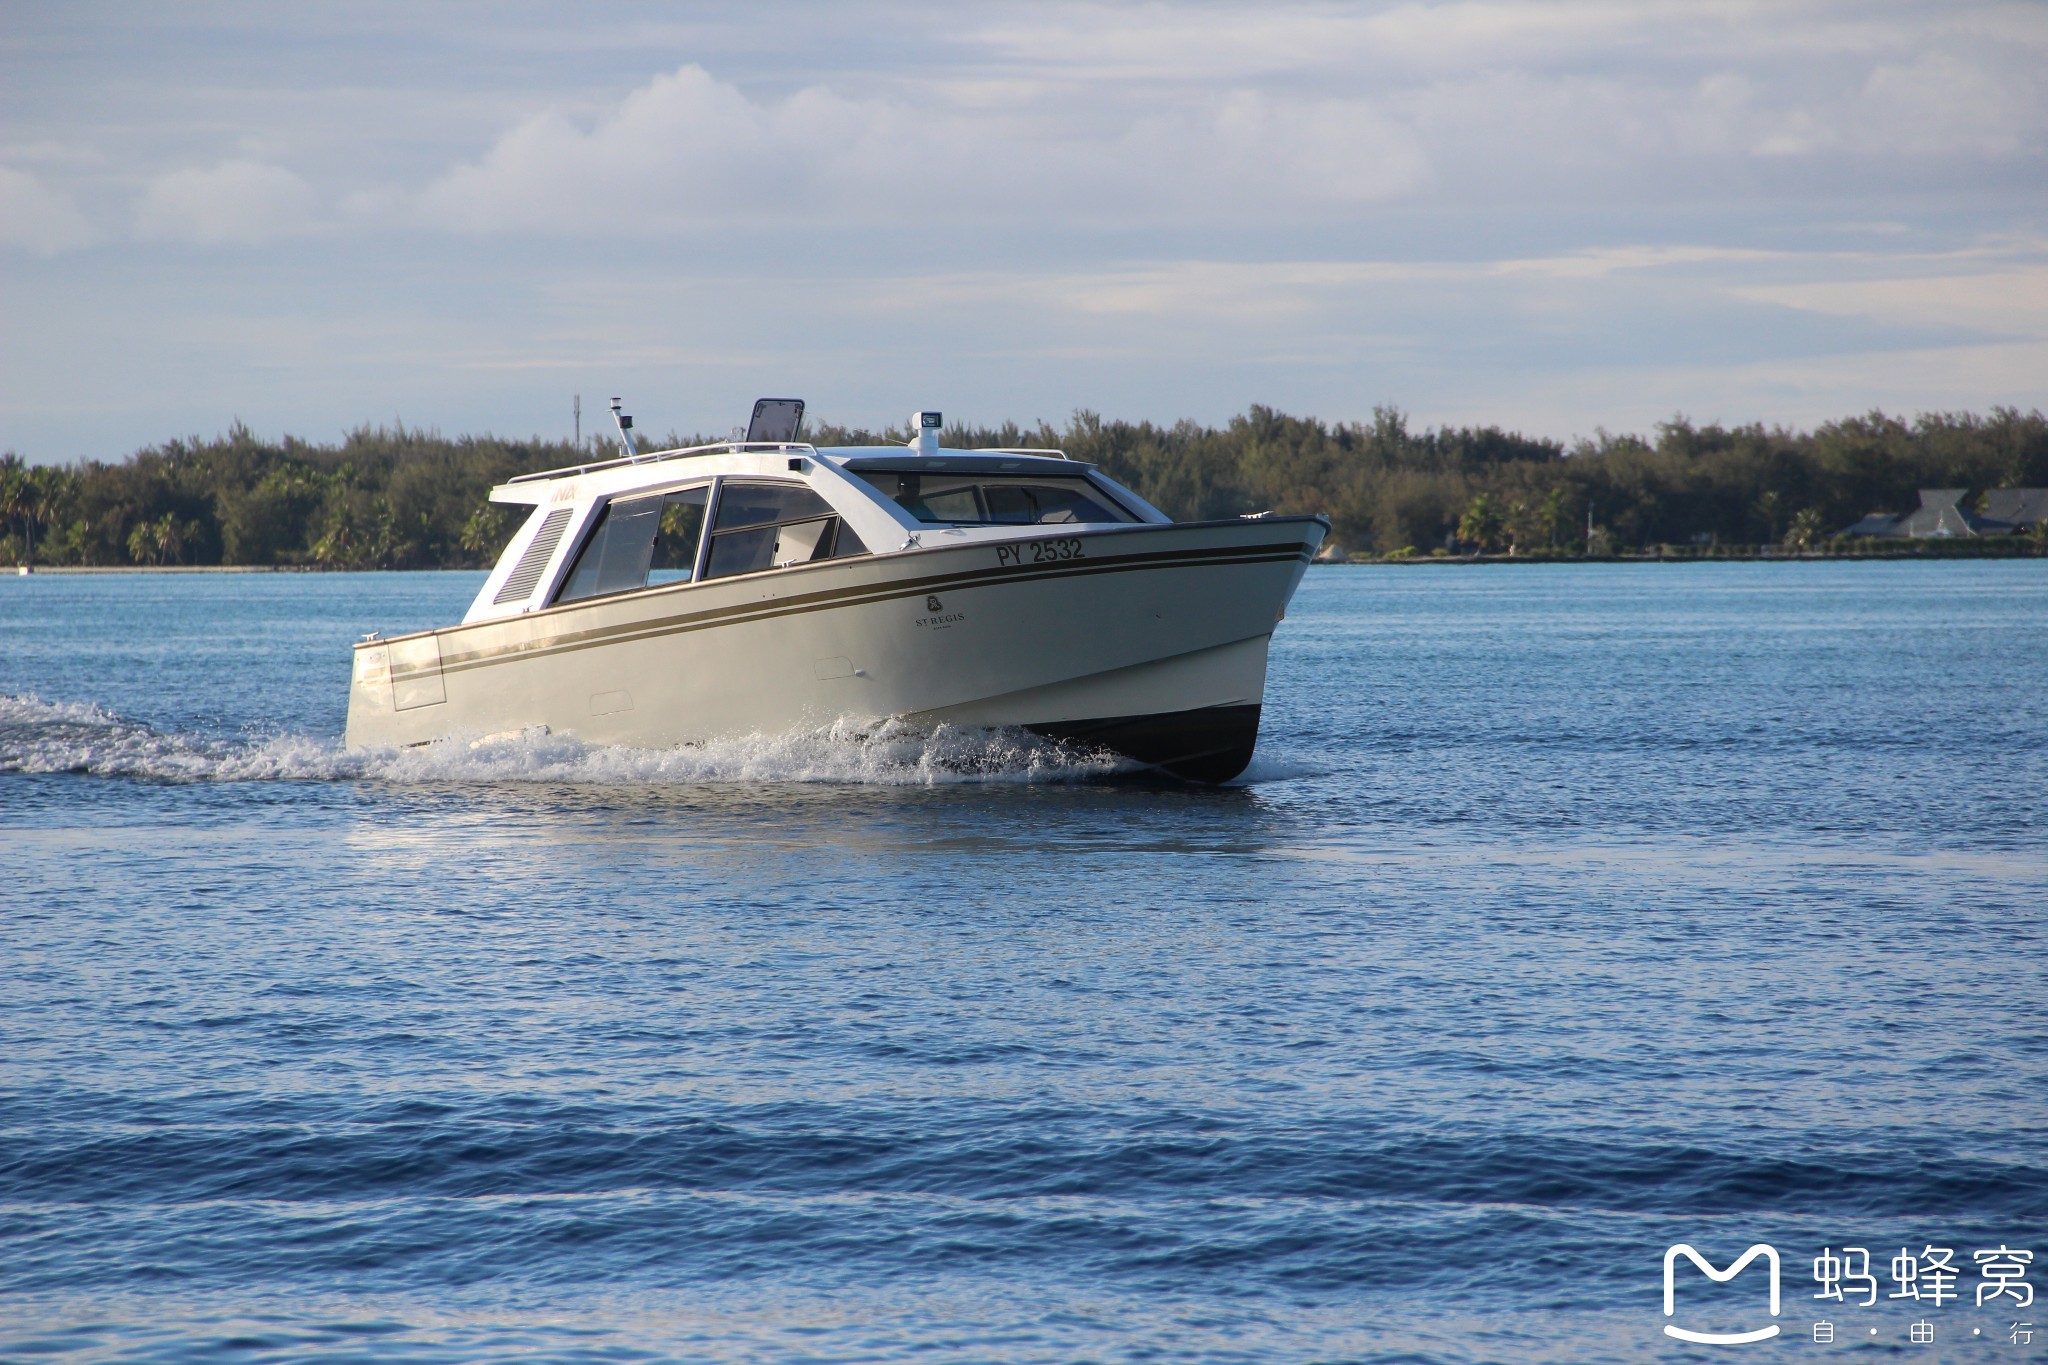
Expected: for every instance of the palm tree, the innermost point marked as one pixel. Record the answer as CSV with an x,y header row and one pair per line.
x,y
15,498
162,541
1481,524
1804,530
29,497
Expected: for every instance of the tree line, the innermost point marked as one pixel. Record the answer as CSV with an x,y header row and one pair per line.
x,y
393,497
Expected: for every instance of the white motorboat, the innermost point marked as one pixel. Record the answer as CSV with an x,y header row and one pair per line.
x,y
762,584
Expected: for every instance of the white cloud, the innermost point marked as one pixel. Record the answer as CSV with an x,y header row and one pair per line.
x,y
682,147
1207,44
1943,103
688,149
1163,207
41,219
1594,263
238,202
2013,302
1187,115
1794,391
1703,128
1264,152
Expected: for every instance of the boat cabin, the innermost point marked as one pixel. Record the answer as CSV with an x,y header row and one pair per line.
x,y
768,503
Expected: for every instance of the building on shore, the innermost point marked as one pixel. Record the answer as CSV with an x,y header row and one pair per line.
x,y
2021,509
1941,515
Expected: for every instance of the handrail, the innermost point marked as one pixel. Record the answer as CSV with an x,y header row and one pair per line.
x,y
715,448
741,448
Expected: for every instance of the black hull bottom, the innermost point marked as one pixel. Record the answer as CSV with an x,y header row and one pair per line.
x,y
1208,744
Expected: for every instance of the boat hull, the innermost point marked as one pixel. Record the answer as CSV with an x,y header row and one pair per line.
x,y
1147,640
1208,744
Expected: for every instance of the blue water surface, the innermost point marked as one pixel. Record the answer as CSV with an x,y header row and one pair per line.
x,y
1569,913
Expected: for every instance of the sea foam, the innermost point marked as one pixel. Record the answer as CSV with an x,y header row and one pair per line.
x,y
38,736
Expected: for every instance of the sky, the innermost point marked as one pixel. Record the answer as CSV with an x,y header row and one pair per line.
x,y
1559,216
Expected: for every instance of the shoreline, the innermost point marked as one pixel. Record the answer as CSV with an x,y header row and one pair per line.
x,y
42,570
1353,562
1800,557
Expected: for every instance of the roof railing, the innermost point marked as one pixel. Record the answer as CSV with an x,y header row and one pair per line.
x,y
685,452
743,448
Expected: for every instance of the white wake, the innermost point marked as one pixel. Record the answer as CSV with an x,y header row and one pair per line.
x,y
76,737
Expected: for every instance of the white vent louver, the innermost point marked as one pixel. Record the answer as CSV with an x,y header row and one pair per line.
x,y
527,571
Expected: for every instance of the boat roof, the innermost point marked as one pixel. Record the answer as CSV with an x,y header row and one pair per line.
x,y
884,460
529,488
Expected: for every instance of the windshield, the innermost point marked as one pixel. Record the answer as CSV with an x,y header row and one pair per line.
x,y
997,499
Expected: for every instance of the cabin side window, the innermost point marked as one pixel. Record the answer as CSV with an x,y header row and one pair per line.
x,y
639,542
997,500
772,526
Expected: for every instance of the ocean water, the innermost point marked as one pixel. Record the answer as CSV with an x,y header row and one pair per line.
x,y
1568,913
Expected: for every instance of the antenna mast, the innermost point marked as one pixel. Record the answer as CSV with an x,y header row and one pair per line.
x,y
625,424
